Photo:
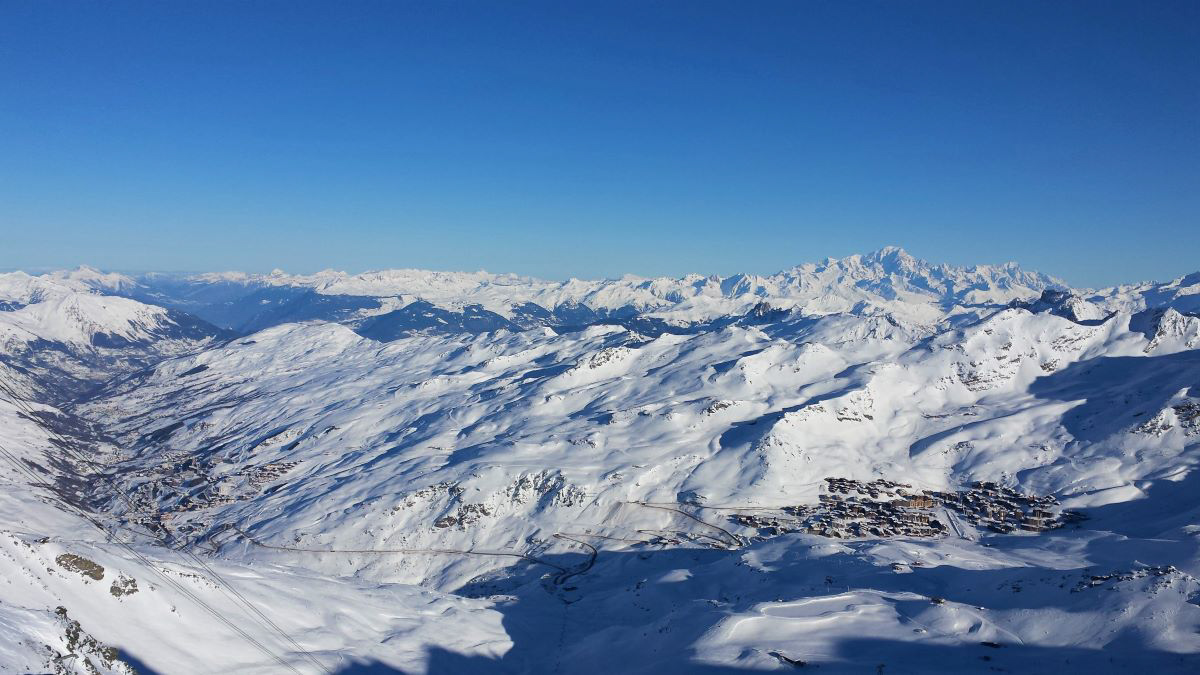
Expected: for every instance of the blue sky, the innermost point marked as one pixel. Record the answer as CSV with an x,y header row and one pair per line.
x,y
596,139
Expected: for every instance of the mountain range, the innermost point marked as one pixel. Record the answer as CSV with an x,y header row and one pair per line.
x,y
871,464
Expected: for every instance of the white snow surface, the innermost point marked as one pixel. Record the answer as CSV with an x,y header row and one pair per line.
x,y
535,502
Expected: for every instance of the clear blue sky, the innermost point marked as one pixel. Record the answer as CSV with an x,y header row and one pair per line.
x,y
600,138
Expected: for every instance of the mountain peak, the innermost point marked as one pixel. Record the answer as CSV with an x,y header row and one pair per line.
x,y
890,252
895,259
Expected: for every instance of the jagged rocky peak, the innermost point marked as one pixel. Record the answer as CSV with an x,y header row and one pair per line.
x,y
1167,329
762,309
1065,303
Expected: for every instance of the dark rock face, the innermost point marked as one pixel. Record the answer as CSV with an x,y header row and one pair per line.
x,y
1066,304
532,315
81,565
571,314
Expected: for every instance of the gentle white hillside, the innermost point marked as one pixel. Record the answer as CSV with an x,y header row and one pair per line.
x,y
1018,460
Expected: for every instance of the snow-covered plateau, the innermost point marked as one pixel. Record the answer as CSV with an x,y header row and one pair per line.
x,y
865,465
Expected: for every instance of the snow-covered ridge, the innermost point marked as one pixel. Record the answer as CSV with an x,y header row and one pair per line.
x,y
888,280
67,327
912,295
25,288
67,311
889,274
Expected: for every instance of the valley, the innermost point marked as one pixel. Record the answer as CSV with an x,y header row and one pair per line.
x,y
873,464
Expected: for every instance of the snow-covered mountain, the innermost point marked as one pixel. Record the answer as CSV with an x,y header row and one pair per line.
x,y
60,328
888,280
889,274
872,464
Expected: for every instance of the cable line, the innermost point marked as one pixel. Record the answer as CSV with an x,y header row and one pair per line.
x,y
227,588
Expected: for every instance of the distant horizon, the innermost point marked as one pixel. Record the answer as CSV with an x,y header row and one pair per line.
x,y
42,270
1113,277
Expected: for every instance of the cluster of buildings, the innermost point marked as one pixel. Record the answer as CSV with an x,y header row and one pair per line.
x,y
1003,509
177,488
848,508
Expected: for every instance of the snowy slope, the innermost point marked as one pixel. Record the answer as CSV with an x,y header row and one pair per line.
x,y
86,598
67,333
600,499
1018,398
